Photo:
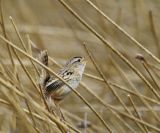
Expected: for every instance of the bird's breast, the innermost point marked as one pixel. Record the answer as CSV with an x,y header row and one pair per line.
x,y
64,90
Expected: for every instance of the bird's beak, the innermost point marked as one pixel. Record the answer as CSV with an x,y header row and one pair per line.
x,y
84,62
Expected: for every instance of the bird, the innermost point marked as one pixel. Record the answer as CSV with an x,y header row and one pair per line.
x,y
71,72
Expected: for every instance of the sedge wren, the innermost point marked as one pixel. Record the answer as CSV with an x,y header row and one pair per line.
x,y
71,72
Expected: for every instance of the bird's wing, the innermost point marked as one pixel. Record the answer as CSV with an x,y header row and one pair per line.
x,y
53,85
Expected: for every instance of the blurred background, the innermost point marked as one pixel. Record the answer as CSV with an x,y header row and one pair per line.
x,y
49,25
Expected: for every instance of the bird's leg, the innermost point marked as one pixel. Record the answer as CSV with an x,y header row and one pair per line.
x,y
51,105
60,114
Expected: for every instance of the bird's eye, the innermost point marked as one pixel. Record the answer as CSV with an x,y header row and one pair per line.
x,y
69,73
78,60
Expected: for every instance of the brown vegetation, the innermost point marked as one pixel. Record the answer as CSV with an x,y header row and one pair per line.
x,y
120,90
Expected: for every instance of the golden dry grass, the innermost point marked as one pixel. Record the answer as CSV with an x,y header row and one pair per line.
x,y
120,89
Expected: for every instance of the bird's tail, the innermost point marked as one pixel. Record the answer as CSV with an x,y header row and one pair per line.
x,y
43,57
44,74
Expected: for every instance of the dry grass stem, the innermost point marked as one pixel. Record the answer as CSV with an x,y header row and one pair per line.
x,y
119,91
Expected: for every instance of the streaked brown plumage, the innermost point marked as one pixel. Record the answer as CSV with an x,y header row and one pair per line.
x,y
71,73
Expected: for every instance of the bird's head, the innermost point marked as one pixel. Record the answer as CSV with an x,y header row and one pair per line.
x,y
77,63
